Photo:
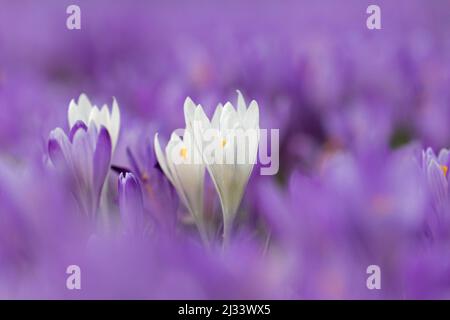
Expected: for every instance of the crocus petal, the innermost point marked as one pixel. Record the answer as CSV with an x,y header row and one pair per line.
x,y
201,118
429,155
78,125
84,105
189,110
241,106
114,122
187,178
251,118
131,203
443,157
101,159
99,117
438,185
172,151
191,178
83,147
58,147
72,114
79,111
215,121
229,118
134,164
162,159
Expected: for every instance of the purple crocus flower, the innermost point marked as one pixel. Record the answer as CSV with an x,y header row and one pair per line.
x,y
85,156
159,197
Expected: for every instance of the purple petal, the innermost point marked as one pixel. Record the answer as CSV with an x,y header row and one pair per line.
x,y
58,147
102,158
78,125
82,154
134,164
55,152
438,185
131,203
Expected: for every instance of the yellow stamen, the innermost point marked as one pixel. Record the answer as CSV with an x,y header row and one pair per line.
x,y
224,142
183,153
444,169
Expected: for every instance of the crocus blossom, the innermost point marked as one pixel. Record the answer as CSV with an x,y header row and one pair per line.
x,y
352,106
88,113
235,137
187,177
131,204
85,156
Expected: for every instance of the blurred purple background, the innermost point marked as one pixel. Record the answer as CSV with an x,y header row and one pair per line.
x,y
353,106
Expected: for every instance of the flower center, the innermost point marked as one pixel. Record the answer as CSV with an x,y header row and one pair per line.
x,y
183,153
444,169
224,142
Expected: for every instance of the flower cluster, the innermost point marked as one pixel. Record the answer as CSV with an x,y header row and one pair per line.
x,y
362,118
229,177
85,153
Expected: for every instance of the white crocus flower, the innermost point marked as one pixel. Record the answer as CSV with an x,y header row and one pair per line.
x,y
86,112
234,135
183,166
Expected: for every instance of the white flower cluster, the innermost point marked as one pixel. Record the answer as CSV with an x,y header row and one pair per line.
x,y
226,146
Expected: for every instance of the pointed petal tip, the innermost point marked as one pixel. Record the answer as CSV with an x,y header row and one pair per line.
x,y
103,131
228,105
83,97
188,100
115,105
72,103
102,158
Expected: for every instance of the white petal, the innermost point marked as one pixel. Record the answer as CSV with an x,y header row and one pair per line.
x,y
200,119
241,106
173,151
202,134
73,115
190,177
161,158
251,118
115,122
443,156
173,146
84,106
215,122
100,117
189,109
187,177
229,118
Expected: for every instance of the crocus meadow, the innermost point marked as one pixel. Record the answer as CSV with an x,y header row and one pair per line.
x,y
106,133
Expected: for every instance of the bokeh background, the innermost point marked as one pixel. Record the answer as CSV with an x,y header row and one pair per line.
x,y
350,103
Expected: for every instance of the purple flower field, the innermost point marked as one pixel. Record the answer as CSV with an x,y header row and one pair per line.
x,y
88,151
